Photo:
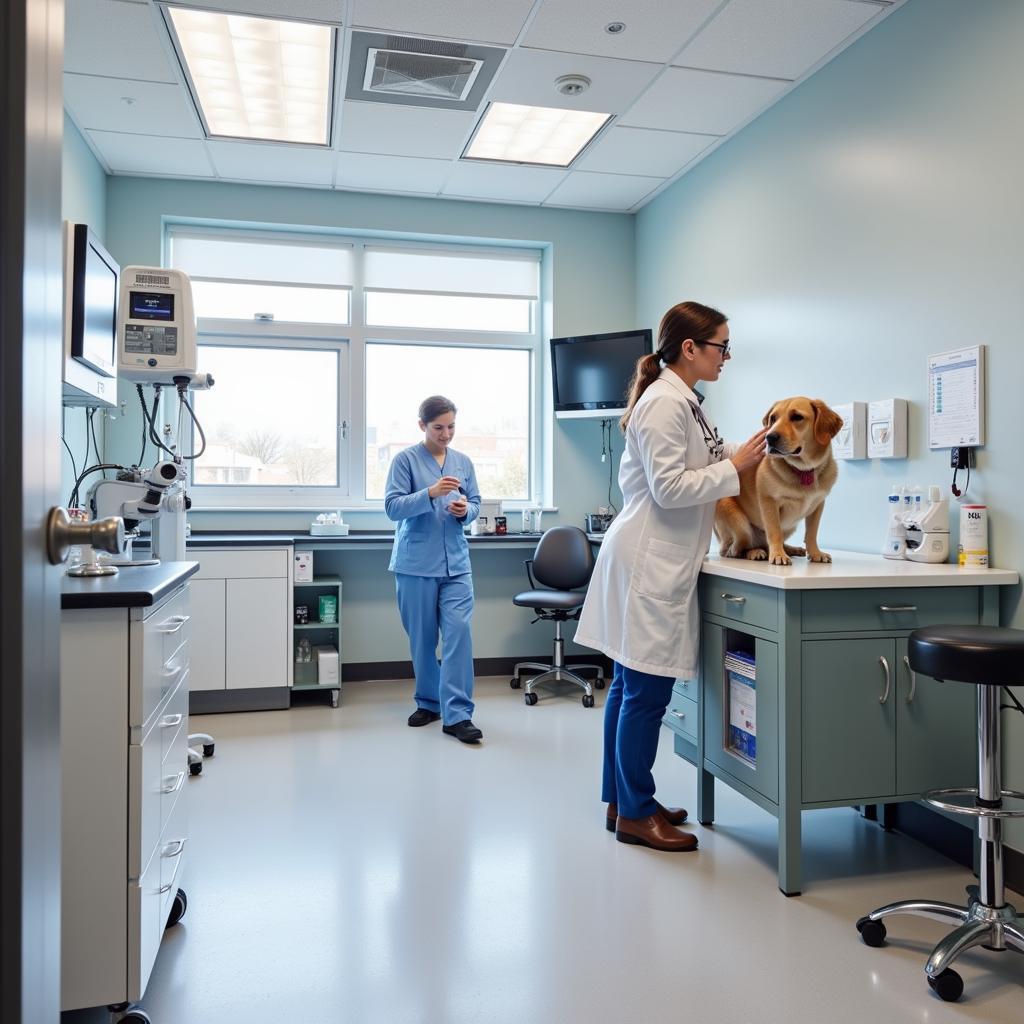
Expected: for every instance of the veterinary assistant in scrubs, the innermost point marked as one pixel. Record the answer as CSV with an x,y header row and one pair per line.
x,y
432,494
641,606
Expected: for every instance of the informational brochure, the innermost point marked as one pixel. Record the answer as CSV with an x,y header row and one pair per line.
x,y
741,676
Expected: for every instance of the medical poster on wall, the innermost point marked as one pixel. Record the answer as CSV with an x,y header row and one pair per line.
x,y
956,398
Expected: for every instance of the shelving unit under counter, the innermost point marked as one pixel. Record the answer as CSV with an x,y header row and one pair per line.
x,y
305,674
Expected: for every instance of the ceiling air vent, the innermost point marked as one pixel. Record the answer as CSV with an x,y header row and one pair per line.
x,y
387,68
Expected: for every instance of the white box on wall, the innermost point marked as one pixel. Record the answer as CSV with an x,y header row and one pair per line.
x,y
887,429
303,567
852,440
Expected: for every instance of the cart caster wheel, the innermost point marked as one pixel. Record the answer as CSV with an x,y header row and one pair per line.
x,y
208,749
949,986
588,700
178,908
196,769
515,682
599,683
872,932
530,698
128,1014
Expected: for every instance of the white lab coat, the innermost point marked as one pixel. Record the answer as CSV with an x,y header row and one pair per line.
x,y
641,606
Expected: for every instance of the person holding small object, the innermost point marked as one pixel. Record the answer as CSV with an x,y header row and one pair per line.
x,y
432,494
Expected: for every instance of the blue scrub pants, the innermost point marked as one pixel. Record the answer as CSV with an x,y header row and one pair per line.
x,y
430,605
633,710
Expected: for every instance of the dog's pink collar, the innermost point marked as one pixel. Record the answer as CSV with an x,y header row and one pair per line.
x,y
806,476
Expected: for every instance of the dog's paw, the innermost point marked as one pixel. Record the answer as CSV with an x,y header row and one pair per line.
x,y
820,556
795,550
780,558
757,554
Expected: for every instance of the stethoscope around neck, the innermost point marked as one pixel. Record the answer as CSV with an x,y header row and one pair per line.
x,y
714,444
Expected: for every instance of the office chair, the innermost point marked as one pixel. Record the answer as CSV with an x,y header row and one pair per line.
x,y
562,562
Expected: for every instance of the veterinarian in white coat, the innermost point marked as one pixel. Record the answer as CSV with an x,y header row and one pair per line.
x,y
641,606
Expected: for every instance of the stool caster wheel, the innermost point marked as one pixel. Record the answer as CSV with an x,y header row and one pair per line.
x,y
948,985
515,682
599,683
196,769
530,698
588,700
872,932
208,749
178,908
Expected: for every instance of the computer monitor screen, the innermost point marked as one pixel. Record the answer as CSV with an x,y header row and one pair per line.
x,y
94,279
592,372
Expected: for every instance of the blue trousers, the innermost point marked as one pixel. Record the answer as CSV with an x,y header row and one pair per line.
x,y
432,605
633,710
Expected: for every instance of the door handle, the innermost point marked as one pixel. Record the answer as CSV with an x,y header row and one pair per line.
x,y
888,679
61,533
913,680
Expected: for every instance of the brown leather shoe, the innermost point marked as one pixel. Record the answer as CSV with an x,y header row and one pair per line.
x,y
654,832
673,815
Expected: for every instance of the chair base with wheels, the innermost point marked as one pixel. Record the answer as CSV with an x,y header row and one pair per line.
x,y
195,758
989,658
563,562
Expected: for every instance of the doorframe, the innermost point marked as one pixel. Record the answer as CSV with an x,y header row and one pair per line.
x,y
31,135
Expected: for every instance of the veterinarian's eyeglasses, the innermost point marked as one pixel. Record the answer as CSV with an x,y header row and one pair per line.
x,y
715,344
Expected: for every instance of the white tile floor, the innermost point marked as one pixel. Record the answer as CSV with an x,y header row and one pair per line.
x,y
345,868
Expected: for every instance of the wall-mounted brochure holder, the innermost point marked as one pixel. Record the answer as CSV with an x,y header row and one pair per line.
x,y
741,683
852,440
887,429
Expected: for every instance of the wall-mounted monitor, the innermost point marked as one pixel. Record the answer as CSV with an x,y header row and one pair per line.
x,y
591,373
91,278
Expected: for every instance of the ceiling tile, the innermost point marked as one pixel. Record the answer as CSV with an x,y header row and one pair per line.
x,y
778,38
296,10
147,154
101,103
702,101
288,165
642,151
390,173
491,22
404,131
655,30
602,191
502,181
528,77
138,48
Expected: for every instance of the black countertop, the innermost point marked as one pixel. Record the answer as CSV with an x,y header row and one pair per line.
x,y
135,586
355,538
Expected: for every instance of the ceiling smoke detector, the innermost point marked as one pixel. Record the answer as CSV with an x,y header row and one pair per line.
x,y
572,85
614,28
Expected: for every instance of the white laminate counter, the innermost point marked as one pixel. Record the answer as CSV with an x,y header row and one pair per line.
x,y
854,570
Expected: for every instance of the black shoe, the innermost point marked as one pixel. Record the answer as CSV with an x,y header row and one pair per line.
x,y
465,731
421,716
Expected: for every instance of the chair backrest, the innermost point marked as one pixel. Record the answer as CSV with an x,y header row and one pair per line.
x,y
563,559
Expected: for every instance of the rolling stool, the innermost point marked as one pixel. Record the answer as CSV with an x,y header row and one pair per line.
x,y
988,657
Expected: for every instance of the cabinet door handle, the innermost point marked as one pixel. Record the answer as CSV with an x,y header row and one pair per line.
x,y
170,721
164,888
178,620
733,599
174,672
173,848
888,679
172,785
897,607
913,679
678,714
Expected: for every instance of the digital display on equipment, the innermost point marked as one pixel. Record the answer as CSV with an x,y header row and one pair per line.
x,y
151,306
593,372
94,277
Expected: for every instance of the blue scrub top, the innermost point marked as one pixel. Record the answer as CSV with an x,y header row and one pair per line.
x,y
429,541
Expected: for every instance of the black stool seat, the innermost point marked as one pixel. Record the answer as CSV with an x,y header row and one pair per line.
x,y
562,600
984,655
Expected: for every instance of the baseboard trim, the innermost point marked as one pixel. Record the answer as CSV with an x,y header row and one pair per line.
x,y
368,670
263,698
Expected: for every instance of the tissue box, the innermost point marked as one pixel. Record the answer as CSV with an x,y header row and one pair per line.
x,y
328,529
326,658
303,563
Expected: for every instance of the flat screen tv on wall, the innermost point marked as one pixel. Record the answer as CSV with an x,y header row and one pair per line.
x,y
591,373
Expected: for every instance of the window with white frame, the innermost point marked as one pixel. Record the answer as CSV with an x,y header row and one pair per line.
x,y
322,349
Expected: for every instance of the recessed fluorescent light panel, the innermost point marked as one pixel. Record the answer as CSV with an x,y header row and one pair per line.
x,y
534,135
258,78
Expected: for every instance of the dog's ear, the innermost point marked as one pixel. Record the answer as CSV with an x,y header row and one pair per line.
x,y
826,422
768,416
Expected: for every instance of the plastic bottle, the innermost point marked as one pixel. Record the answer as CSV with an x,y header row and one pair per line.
x,y
918,499
896,538
907,496
894,502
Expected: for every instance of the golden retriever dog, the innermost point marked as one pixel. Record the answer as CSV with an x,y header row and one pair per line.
x,y
789,484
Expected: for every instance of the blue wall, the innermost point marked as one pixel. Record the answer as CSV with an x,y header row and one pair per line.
x,y
83,200
871,218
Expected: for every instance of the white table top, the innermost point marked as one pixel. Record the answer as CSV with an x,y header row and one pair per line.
x,y
855,570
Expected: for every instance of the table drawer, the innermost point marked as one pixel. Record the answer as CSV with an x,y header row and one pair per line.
x,y
173,721
681,716
687,688
743,602
241,565
172,856
893,608
158,654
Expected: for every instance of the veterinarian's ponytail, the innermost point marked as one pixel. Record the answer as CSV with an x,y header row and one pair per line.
x,y
685,321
